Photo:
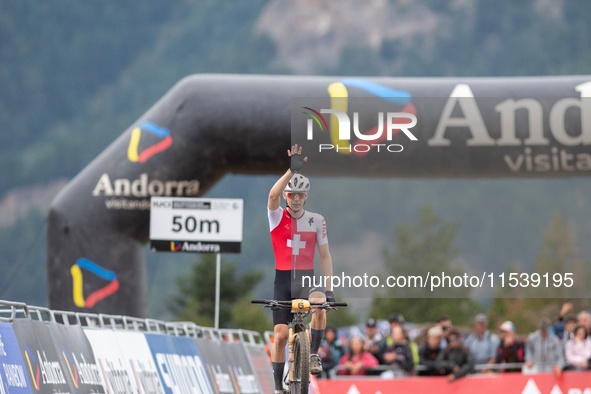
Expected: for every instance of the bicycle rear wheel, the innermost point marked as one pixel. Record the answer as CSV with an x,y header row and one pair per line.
x,y
301,370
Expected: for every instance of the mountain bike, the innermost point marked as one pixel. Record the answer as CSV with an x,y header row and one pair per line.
x,y
298,343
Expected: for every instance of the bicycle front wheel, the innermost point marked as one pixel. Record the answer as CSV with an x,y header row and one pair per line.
x,y
301,370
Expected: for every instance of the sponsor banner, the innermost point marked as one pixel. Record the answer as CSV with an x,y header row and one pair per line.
x,y
195,247
42,362
507,383
192,361
76,358
261,367
228,367
13,371
179,364
217,365
136,352
116,374
240,367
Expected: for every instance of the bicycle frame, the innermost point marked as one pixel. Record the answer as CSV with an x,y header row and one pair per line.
x,y
300,309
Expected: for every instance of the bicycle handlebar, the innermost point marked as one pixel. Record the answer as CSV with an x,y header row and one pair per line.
x,y
288,303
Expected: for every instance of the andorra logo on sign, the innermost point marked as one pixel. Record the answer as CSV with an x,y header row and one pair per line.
x,y
34,376
141,157
100,294
175,246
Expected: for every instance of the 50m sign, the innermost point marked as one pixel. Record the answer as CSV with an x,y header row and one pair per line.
x,y
192,224
202,225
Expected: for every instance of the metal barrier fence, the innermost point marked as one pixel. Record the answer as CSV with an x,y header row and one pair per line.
x,y
160,357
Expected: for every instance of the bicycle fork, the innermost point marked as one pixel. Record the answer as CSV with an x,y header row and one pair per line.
x,y
291,357
290,345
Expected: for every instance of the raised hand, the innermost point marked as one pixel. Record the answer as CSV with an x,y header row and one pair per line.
x,y
296,162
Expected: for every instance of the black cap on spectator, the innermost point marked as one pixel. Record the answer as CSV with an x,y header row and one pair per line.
x,y
396,318
370,323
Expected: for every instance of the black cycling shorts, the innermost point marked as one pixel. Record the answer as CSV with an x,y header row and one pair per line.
x,y
287,288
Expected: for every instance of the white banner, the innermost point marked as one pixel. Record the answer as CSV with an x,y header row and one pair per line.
x,y
136,352
196,219
117,375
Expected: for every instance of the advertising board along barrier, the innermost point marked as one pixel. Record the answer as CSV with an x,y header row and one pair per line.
x,y
227,365
45,369
179,363
192,361
76,358
122,352
506,383
13,373
116,375
254,348
67,352
240,365
138,357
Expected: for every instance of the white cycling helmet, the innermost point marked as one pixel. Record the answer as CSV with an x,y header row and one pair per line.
x,y
298,183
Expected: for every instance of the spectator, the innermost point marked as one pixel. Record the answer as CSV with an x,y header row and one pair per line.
x,y
429,352
584,319
394,351
357,361
578,350
482,344
543,350
331,349
414,348
511,348
372,337
455,360
396,319
570,323
559,326
444,323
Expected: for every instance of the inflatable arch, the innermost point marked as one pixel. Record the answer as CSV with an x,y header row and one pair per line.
x,y
210,125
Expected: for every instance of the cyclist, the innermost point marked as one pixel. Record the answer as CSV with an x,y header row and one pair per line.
x,y
295,232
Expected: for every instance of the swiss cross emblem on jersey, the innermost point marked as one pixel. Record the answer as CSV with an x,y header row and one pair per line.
x,y
295,240
296,244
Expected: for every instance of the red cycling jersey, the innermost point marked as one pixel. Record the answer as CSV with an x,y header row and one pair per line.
x,y
295,249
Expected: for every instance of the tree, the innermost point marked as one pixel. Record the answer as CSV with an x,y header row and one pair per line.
x,y
196,299
248,316
426,246
557,255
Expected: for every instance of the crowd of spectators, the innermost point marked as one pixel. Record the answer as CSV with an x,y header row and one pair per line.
x,y
564,345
